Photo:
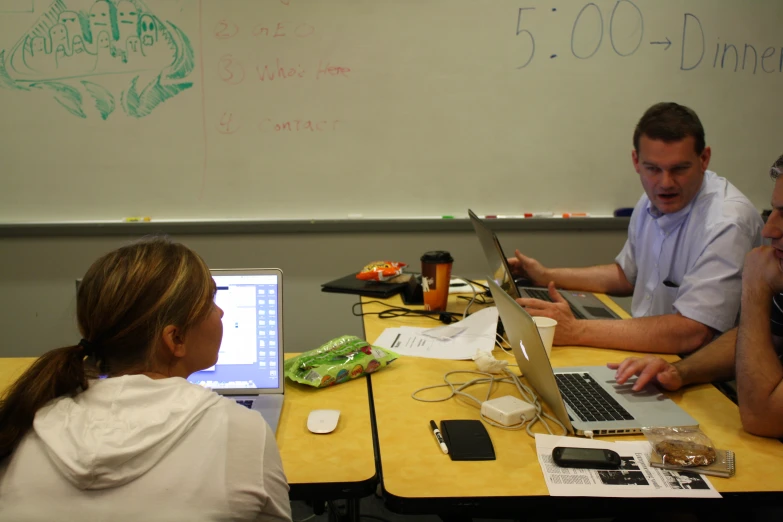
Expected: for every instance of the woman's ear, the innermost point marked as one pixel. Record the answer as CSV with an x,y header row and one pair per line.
x,y
174,341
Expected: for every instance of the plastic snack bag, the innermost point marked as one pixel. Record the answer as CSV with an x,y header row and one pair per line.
x,y
339,360
681,446
381,270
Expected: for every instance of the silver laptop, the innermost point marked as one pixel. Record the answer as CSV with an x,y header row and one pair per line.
x,y
250,363
585,398
584,305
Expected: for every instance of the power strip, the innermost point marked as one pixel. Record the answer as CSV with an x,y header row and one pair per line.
x,y
508,410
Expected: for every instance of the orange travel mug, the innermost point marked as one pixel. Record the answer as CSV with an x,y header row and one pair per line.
x,y
435,279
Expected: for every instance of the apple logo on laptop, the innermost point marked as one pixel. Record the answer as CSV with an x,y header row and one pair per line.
x,y
524,352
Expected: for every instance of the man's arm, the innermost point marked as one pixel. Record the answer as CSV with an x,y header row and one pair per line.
x,y
759,371
714,362
607,279
671,333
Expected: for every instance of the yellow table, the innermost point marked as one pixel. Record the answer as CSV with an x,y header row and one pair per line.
x,y
418,478
340,465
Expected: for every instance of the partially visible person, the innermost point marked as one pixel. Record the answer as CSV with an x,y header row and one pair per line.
x,y
110,429
682,262
751,352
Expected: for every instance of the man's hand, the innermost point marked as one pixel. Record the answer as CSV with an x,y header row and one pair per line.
x,y
649,368
763,270
568,327
527,267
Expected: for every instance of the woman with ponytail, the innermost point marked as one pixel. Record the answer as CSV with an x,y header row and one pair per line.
x,y
110,429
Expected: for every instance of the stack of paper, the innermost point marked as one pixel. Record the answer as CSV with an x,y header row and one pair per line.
x,y
455,341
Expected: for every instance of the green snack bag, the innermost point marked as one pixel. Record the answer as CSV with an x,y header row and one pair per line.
x,y
339,360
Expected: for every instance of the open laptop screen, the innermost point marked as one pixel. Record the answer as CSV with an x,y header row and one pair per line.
x,y
496,259
251,354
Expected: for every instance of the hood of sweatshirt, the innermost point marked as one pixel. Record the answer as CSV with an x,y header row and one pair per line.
x,y
119,428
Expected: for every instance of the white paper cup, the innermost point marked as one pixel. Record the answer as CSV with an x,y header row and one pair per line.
x,y
546,329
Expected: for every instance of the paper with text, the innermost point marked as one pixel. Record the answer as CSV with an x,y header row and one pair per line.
x,y
634,478
456,341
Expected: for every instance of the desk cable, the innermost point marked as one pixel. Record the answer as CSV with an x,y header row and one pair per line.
x,y
486,377
472,285
392,311
399,311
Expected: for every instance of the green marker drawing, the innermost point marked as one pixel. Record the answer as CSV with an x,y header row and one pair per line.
x,y
76,46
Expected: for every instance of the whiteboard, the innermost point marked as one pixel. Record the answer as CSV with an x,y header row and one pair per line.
x,y
313,109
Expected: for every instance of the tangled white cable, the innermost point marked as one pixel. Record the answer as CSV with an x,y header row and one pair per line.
x,y
490,372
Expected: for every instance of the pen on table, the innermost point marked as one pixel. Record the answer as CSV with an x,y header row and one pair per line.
x,y
538,214
439,437
575,214
136,219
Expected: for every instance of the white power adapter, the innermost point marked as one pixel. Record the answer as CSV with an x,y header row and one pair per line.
x,y
508,410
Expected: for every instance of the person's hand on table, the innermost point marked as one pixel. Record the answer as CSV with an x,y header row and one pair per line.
x,y
568,327
648,369
528,268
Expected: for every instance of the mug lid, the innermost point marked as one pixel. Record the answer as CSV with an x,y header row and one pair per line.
x,y
437,256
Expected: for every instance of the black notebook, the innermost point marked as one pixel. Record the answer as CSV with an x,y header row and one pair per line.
x,y
467,440
350,285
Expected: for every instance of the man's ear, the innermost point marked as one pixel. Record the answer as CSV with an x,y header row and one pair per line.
x,y
635,159
174,341
706,154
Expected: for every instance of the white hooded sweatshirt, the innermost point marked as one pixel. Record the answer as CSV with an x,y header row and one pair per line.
x,y
135,448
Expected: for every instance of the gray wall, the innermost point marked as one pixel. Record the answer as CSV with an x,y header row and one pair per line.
x,y
38,270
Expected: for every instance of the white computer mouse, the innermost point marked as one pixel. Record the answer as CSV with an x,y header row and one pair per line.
x,y
323,421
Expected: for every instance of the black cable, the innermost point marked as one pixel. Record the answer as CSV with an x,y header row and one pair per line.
x,y
397,311
480,299
485,287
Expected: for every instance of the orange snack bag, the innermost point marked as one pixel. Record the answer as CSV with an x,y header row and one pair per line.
x,y
381,270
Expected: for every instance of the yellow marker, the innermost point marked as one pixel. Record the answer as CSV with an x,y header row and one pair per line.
x,y
137,219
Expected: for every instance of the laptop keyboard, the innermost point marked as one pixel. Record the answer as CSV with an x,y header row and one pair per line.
x,y
544,296
588,399
247,403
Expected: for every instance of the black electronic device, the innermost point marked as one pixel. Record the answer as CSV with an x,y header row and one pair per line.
x,y
592,458
467,439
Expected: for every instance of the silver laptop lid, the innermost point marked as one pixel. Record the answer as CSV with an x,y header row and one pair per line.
x,y
496,259
250,361
529,351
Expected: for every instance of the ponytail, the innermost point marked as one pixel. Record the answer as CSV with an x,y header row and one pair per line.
x,y
56,373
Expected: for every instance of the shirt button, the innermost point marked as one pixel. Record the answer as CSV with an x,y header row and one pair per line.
x,y
647,297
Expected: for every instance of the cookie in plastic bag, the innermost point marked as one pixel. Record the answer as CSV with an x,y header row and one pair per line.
x,y
337,361
681,446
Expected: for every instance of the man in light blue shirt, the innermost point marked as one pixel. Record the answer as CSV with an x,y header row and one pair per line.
x,y
687,240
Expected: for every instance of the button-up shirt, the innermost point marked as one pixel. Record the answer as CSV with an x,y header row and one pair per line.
x,y
691,261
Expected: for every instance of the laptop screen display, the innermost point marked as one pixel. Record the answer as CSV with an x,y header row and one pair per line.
x,y
250,355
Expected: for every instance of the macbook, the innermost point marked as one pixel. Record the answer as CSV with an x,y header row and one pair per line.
x,y
584,305
249,368
587,398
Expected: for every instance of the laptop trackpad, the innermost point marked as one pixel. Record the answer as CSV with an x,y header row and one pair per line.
x,y
599,312
649,394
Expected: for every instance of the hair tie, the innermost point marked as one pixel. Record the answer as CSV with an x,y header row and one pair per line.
x,y
88,348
